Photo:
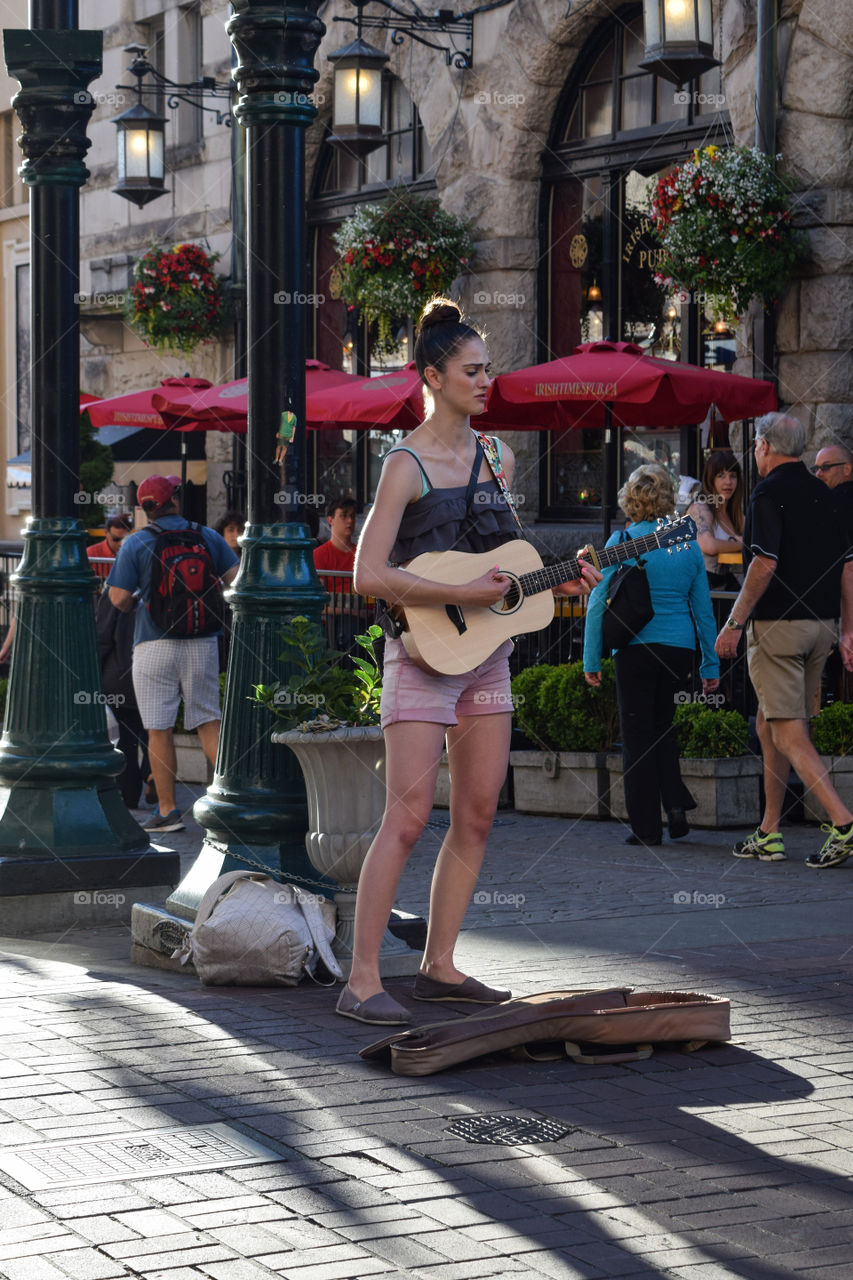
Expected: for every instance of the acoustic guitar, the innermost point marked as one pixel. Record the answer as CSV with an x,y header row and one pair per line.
x,y
452,639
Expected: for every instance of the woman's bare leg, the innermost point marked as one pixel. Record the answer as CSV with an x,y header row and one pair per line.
x,y
413,750
478,751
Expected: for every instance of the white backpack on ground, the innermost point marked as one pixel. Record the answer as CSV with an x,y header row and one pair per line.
x,y
251,931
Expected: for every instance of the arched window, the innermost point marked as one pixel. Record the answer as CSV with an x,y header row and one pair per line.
x,y
348,462
616,130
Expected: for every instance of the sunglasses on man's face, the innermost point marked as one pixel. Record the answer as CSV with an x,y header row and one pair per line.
x,y
827,466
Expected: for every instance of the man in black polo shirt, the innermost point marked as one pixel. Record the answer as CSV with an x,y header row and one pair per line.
x,y
800,575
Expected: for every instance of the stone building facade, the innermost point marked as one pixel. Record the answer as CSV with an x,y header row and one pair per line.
x,y
553,131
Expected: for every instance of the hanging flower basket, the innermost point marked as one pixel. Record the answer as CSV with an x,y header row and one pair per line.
x,y
397,254
176,301
724,222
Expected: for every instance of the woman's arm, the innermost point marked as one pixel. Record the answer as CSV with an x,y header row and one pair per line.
x,y
711,545
699,600
400,484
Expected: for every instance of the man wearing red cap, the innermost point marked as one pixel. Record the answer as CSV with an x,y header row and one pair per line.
x,y
166,668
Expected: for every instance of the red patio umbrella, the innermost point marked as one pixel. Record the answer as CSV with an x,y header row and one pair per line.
x,y
639,390
225,407
136,408
392,401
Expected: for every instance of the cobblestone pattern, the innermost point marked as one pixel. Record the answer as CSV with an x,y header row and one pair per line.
x,y
734,1161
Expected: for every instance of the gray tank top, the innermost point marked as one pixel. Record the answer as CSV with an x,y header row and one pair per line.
x,y
439,521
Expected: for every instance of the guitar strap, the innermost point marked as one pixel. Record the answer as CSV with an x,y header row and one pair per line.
x,y
496,468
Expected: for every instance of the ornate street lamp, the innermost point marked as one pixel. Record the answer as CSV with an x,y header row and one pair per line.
x,y
63,827
679,39
357,119
141,140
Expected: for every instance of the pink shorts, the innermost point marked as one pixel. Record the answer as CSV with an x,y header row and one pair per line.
x,y
410,694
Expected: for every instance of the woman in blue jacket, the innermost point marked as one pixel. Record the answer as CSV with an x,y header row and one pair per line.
x,y
653,670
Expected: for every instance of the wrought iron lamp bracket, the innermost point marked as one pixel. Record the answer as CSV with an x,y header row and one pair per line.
x,y
457,28
192,93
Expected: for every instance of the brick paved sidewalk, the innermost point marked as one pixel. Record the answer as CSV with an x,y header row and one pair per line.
x,y
733,1162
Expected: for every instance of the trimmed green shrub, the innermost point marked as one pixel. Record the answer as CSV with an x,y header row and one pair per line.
x,y
832,730
526,687
704,734
576,716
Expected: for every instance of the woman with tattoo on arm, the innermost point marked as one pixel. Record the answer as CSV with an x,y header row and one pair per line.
x,y
718,512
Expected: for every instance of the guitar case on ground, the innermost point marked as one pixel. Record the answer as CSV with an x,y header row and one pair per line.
x,y
614,1025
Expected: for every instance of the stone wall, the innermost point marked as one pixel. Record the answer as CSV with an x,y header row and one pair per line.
x,y
815,139
487,129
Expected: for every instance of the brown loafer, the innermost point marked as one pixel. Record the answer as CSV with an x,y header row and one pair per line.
x,y
379,1010
469,991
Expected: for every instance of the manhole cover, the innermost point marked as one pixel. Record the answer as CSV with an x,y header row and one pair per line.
x,y
508,1131
130,1155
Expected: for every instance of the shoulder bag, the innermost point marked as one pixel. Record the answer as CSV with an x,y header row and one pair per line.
x,y
629,604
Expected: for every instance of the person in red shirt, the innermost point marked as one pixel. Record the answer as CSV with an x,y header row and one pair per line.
x,y
338,554
117,529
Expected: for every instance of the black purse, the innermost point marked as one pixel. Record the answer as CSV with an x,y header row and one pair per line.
x,y
629,605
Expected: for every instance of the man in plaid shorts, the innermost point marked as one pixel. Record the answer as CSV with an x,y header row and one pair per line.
x,y
164,669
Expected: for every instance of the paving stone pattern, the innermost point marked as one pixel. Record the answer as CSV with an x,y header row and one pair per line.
x,y
734,1161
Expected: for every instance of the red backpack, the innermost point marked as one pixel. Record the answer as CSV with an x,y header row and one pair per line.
x,y
186,595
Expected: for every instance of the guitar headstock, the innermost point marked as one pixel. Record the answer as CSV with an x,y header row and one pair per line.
x,y
675,534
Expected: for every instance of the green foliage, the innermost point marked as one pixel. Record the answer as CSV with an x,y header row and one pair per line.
x,y
562,712
176,301
96,471
526,687
723,218
704,734
832,730
324,688
396,254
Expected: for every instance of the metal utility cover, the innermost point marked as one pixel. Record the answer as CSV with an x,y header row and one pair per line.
x,y
145,1153
508,1131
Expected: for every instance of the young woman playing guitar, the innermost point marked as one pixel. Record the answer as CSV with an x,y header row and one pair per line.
x,y
436,493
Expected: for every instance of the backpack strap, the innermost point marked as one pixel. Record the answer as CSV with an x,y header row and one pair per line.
x,y
493,459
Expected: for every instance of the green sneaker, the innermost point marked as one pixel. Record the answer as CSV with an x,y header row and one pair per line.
x,y
837,849
766,846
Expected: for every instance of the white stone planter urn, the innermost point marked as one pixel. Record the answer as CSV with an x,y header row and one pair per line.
x,y
344,772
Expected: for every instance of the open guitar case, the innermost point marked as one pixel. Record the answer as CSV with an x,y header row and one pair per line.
x,y
614,1025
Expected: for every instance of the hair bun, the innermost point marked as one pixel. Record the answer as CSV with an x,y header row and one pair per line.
x,y
439,311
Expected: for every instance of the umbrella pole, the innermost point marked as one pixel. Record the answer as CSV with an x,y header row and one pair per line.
x,y
605,470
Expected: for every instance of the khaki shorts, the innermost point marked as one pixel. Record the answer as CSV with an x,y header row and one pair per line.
x,y
411,694
786,661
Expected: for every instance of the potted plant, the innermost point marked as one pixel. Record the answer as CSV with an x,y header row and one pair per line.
x,y
329,716
176,301
715,765
832,735
397,253
573,726
724,223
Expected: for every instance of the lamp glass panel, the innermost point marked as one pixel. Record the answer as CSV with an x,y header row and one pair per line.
x,y
137,143
345,83
706,22
369,96
679,18
651,19
121,146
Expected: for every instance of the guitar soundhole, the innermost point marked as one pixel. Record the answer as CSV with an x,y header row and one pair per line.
x,y
511,600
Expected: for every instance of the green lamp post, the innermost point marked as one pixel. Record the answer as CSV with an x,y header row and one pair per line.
x,y
255,810
63,825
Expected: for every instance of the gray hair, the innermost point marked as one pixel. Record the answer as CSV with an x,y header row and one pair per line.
x,y
784,434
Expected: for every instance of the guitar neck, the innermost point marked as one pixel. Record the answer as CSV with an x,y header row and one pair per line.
x,y
552,575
